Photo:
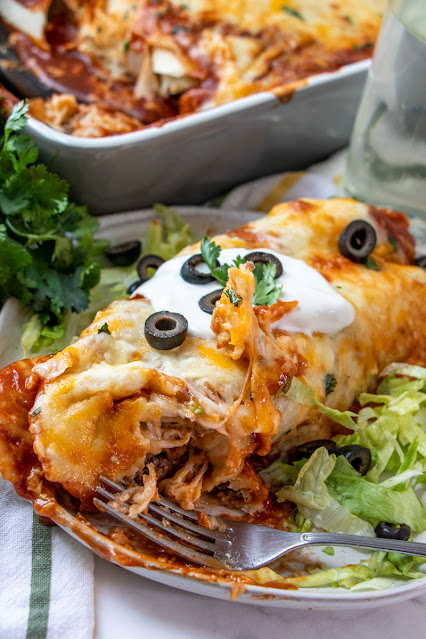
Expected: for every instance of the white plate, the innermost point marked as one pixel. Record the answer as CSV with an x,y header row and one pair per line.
x,y
126,226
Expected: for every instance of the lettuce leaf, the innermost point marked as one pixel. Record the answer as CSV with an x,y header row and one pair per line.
x,y
374,502
314,501
303,394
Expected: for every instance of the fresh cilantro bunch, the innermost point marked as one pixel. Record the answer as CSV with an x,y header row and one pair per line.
x,y
46,242
266,291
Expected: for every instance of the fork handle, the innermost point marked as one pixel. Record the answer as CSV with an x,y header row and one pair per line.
x,y
377,543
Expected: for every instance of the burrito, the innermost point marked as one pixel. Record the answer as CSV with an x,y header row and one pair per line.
x,y
182,388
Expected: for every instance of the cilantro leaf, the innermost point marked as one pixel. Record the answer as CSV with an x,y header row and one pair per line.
x,y
266,292
46,243
13,258
292,12
24,150
17,118
393,242
330,383
371,264
221,273
104,329
210,252
63,252
362,47
90,275
232,296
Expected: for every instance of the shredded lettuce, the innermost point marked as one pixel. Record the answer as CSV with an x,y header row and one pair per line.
x,y
164,238
374,502
303,394
314,501
332,495
168,236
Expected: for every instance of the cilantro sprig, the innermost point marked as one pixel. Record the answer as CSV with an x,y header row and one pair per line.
x,y
47,250
266,292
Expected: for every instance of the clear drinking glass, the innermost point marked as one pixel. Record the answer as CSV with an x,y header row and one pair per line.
x,y
387,154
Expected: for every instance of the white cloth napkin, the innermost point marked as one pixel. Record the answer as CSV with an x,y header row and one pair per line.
x,y
46,578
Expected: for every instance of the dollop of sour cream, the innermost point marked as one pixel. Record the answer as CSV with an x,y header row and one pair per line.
x,y
320,307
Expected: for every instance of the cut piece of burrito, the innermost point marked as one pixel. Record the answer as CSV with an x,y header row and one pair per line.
x,y
188,421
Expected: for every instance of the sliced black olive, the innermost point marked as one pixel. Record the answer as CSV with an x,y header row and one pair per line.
x,y
146,262
358,456
165,330
191,274
304,451
132,288
208,302
357,240
386,530
264,258
124,254
421,261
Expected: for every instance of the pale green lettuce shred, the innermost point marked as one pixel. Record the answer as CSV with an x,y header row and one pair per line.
x,y
303,394
374,502
314,502
168,236
345,577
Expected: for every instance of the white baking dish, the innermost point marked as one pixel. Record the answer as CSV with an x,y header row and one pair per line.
x,y
201,155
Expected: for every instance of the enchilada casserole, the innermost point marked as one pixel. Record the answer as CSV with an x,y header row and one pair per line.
x,y
119,65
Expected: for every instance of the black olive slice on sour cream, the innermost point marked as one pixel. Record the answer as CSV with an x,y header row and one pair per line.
x,y
357,240
208,302
265,258
191,274
146,262
165,330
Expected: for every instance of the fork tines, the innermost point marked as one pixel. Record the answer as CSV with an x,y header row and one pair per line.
x,y
166,519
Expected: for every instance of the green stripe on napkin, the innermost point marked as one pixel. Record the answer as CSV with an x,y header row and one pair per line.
x,y
41,572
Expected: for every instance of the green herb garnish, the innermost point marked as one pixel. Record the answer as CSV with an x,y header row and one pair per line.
x,y
104,329
330,383
232,296
393,242
328,550
46,242
266,292
126,46
371,264
292,12
362,47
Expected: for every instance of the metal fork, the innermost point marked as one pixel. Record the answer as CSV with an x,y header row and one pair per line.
x,y
234,545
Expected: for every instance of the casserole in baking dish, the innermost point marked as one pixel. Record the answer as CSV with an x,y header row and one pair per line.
x,y
123,64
